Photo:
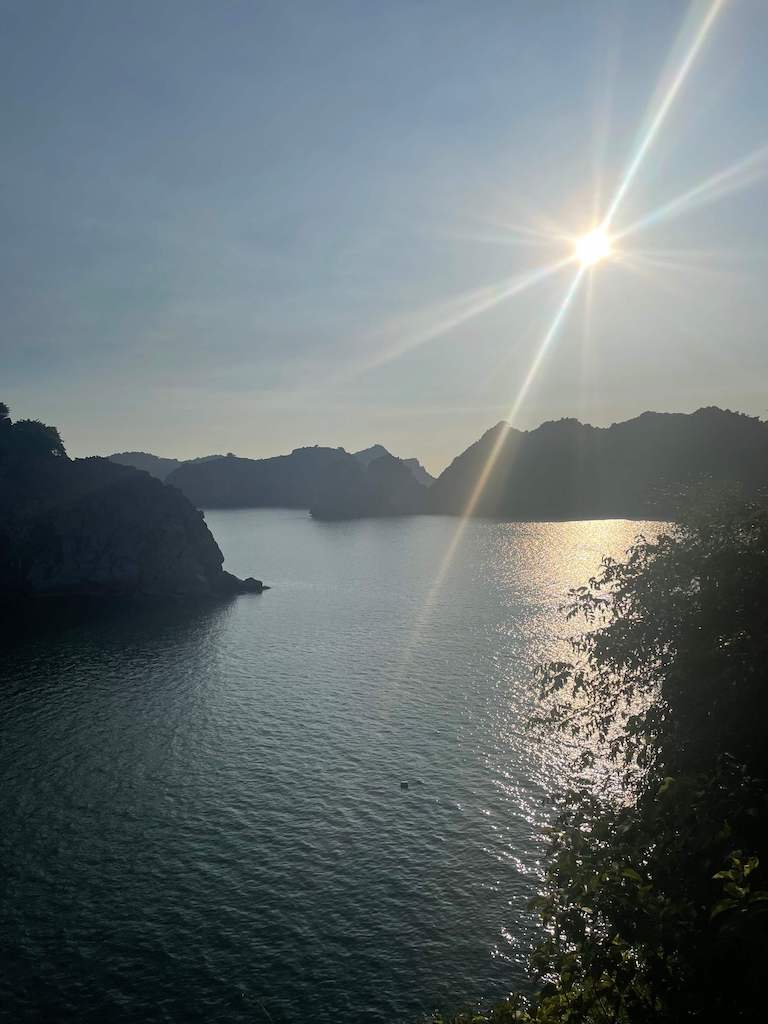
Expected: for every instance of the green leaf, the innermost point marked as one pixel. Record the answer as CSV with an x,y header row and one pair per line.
x,y
722,906
635,876
665,785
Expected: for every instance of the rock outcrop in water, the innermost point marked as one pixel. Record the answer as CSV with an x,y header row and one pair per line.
x,y
90,526
383,487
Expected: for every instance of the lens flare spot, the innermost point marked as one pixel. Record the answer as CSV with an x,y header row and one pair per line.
x,y
592,248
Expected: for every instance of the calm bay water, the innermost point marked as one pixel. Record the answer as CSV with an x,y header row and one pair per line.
x,y
202,817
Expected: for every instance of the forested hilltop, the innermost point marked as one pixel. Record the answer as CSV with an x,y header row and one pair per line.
x,y
635,469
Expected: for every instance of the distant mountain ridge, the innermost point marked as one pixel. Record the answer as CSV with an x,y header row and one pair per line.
x,y
155,465
378,451
561,470
637,468
291,481
284,481
152,464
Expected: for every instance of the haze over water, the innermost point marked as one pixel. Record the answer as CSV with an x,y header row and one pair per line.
x,y
203,817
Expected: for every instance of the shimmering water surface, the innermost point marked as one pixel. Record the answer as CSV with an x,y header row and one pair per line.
x,y
202,816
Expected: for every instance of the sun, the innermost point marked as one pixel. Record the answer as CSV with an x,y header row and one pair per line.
x,y
592,247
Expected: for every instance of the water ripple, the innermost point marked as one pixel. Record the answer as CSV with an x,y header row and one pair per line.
x,y
203,818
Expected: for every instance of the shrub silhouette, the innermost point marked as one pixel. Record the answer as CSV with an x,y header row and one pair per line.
x,y
655,901
28,439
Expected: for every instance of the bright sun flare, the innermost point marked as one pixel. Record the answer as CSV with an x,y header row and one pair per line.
x,y
592,248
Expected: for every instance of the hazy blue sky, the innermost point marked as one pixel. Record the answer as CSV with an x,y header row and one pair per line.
x,y
225,222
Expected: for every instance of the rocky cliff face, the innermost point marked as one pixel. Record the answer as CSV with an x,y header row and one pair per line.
x,y
90,526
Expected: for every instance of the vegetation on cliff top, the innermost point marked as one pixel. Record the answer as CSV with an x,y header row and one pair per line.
x,y
24,439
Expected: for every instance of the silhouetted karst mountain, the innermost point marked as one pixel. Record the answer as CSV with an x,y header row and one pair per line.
x,y
155,465
162,468
570,470
376,451
287,481
367,455
561,470
152,464
91,526
420,474
384,486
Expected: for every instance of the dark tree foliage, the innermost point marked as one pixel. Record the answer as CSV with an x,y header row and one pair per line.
x,y
678,651
656,905
35,439
6,430
28,439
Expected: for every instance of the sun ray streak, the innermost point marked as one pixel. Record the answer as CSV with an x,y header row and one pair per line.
x,y
527,240
662,262
663,108
718,182
451,315
586,337
483,478
739,175
542,351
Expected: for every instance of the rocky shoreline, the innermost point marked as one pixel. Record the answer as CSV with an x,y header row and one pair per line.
x,y
234,585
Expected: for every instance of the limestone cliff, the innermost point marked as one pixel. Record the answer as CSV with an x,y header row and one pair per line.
x,y
90,526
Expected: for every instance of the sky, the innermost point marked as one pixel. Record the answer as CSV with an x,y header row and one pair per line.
x,y
250,226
